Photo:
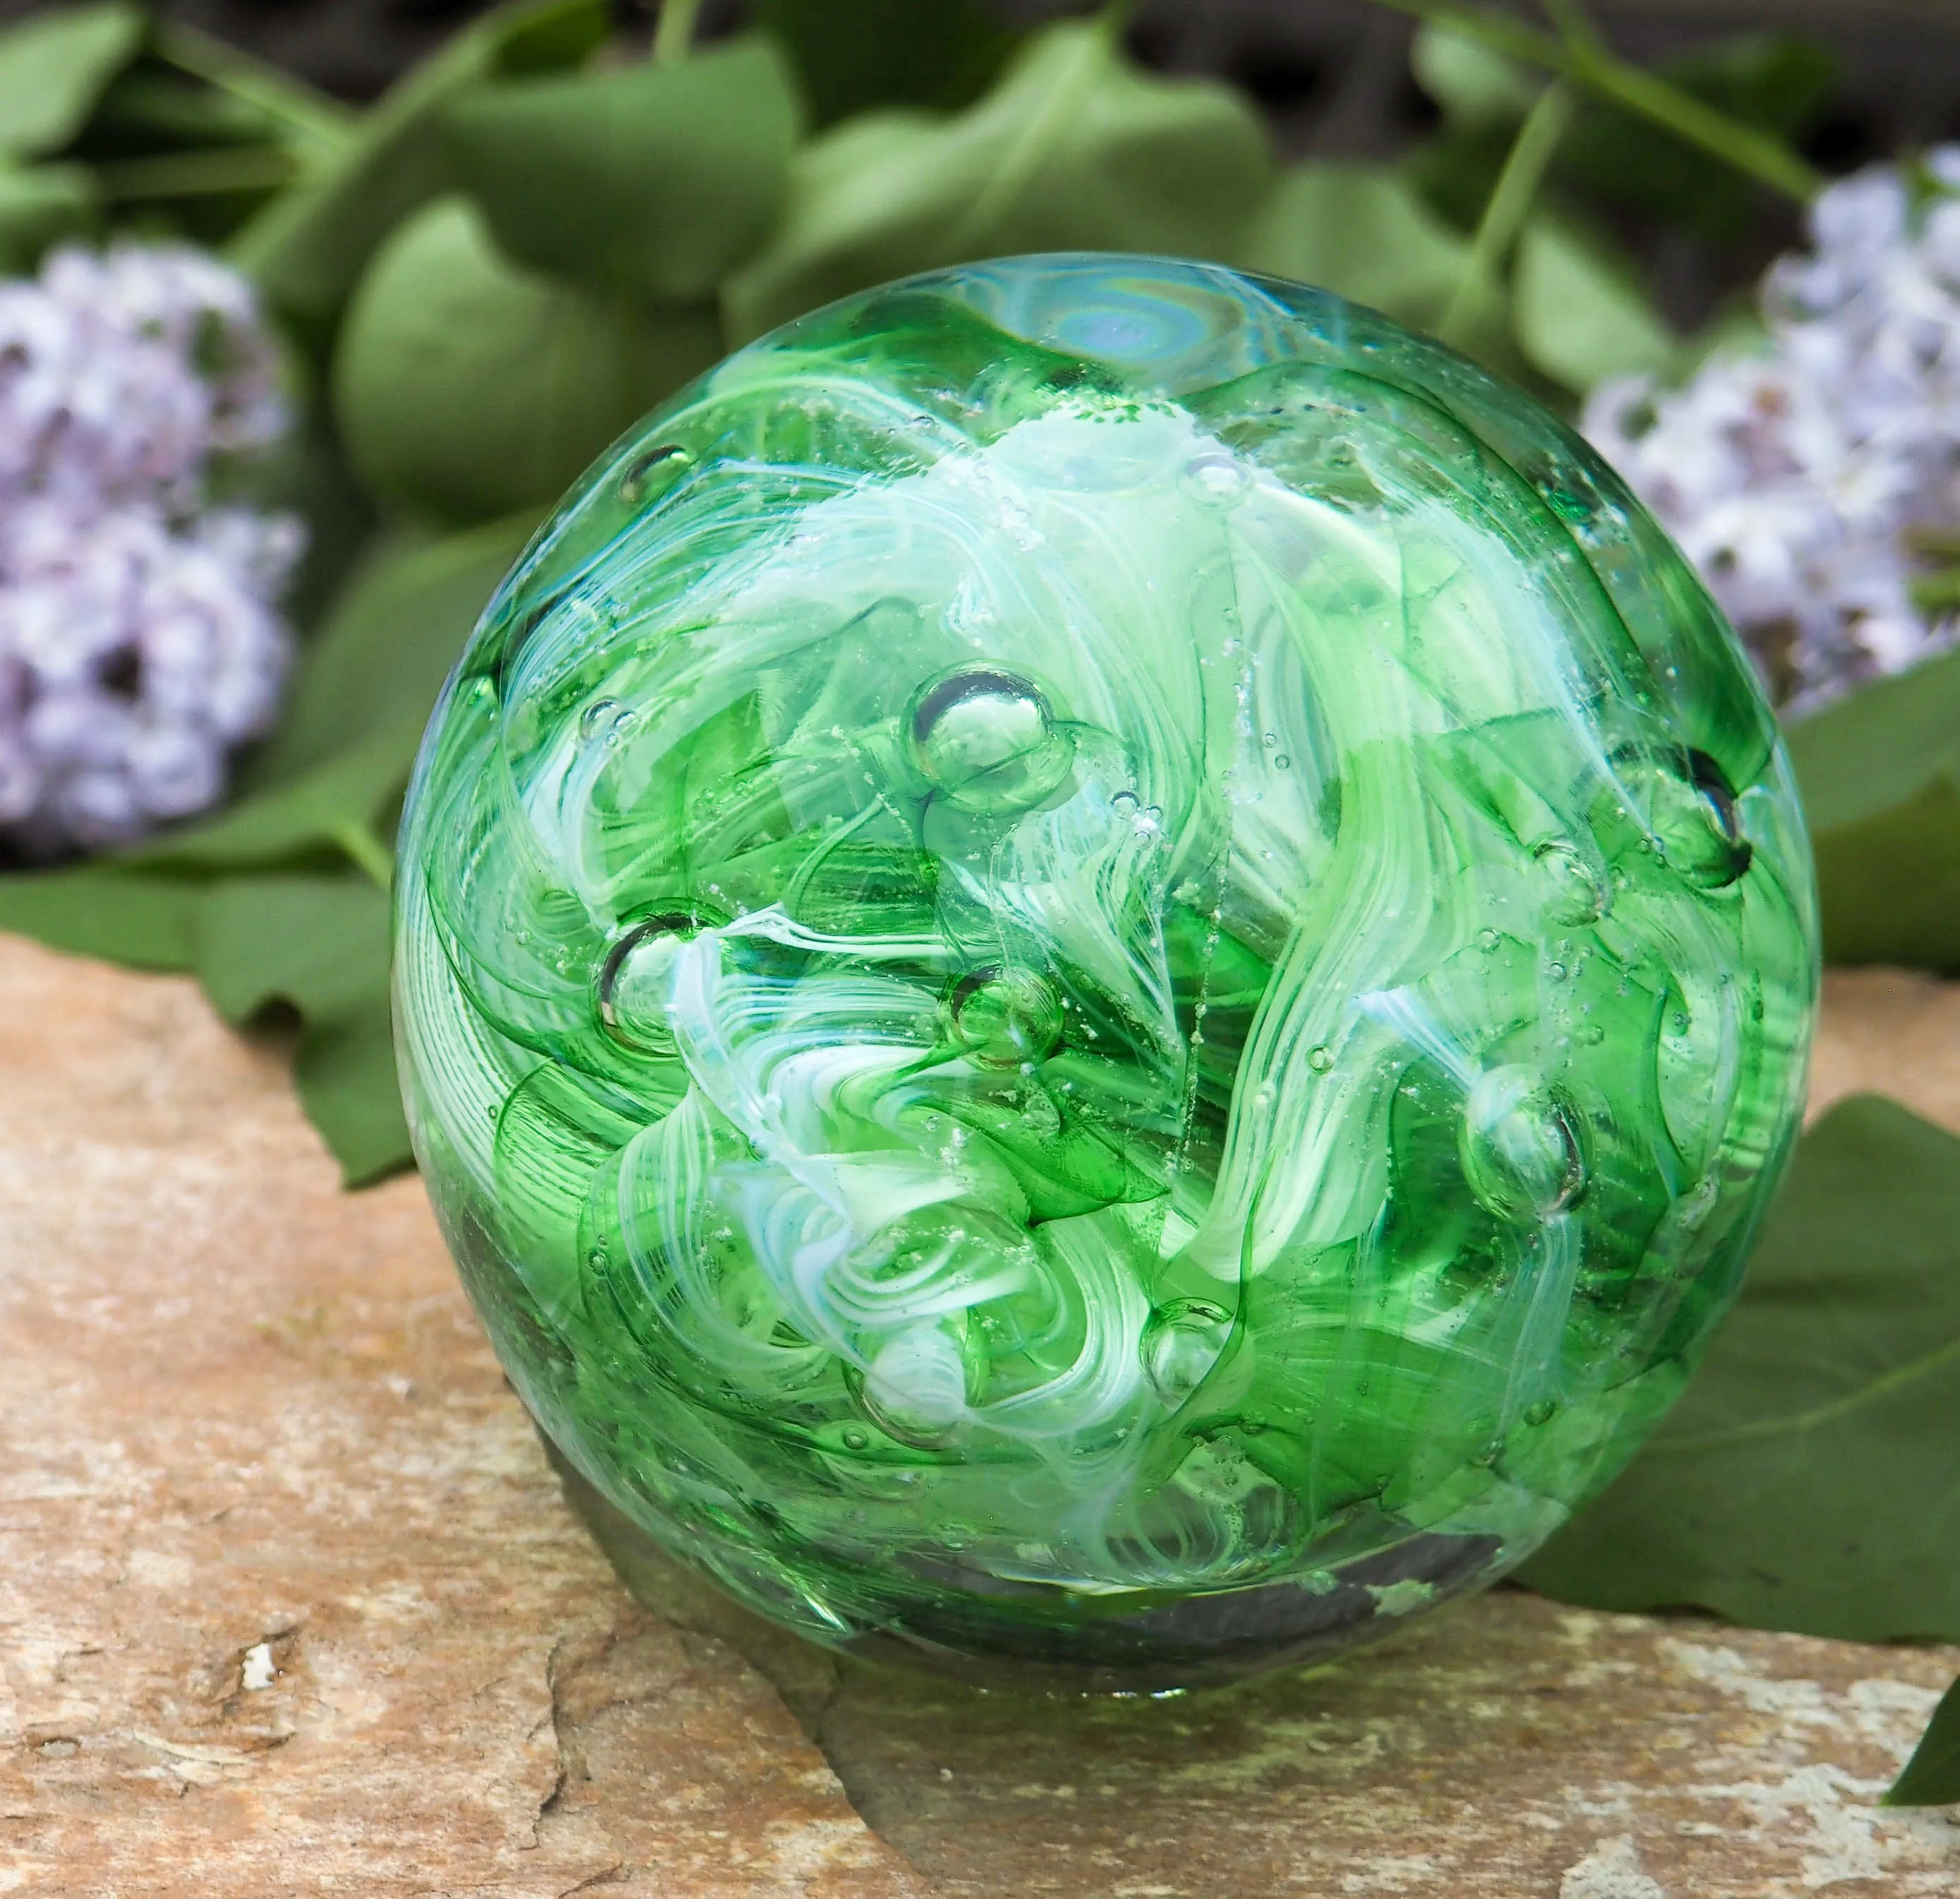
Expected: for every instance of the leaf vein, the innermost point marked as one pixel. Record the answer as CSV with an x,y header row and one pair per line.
x,y
1819,1414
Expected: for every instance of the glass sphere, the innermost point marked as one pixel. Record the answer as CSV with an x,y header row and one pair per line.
x,y
1100,967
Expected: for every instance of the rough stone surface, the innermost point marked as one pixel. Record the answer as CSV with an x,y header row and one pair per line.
x,y
1891,1031
290,1603
240,1407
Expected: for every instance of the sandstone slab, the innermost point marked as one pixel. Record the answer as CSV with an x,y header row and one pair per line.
x,y
290,1603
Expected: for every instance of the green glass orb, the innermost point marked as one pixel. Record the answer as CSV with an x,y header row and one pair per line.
x,y
1100,967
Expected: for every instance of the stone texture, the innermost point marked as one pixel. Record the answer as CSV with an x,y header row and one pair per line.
x,y
290,1603
240,1408
1891,1032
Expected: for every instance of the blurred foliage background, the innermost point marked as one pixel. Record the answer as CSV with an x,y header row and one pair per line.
x,y
1331,76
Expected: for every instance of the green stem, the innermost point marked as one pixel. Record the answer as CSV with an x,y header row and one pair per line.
x,y
1574,24
1509,204
198,174
1936,595
1756,154
367,851
1934,543
673,34
317,118
1590,65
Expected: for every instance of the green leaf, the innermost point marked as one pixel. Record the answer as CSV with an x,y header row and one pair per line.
x,y
315,812
305,115
311,942
370,680
1579,316
345,1073
1076,148
1474,85
390,640
1931,1777
1764,84
656,179
308,249
1362,230
150,108
319,945
39,204
465,387
1770,81
1457,167
1807,1480
96,910
853,56
1880,775
1367,232
53,67
304,473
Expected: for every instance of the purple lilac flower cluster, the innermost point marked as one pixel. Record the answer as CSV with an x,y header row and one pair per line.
x,y
1806,476
140,640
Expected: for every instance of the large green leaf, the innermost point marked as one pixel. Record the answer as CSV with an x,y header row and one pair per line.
x,y
1932,1776
1364,231
1474,84
1880,775
54,66
356,717
1076,148
39,206
306,250
853,56
467,387
654,180
332,808
97,910
1807,1480
149,108
320,947
395,631
304,473
1770,81
1579,315
344,1070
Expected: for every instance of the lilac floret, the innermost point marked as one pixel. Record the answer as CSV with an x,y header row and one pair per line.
x,y
141,643
1808,477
